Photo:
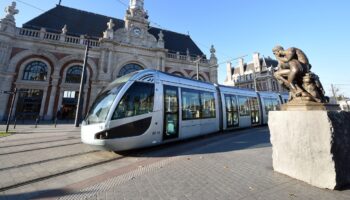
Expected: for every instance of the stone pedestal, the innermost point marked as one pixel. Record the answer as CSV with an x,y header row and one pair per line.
x,y
300,105
312,146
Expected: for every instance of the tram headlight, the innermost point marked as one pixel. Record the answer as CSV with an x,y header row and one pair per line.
x,y
102,135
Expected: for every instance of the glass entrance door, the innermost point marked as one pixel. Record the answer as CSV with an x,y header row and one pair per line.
x,y
29,103
171,113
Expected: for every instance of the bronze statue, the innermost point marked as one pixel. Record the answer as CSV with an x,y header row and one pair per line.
x,y
295,75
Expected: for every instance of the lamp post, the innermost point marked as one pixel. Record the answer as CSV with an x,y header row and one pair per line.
x,y
81,88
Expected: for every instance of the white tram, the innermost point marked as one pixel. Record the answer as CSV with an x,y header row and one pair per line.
x,y
150,107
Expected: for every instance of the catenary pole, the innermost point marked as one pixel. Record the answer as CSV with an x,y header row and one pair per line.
x,y
11,108
78,113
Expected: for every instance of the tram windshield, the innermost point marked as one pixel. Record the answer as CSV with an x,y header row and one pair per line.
x,y
101,106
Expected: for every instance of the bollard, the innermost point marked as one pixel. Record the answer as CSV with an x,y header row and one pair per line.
x,y
36,122
55,122
15,123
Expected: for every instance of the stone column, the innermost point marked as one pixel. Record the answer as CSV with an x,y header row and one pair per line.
x,y
213,71
6,83
103,67
4,55
95,89
229,72
60,98
110,61
43,101
50,113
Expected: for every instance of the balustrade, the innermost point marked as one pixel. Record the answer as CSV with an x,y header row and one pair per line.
x,y
55,37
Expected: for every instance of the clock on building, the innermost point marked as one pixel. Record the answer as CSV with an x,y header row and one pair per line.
x,y
136,31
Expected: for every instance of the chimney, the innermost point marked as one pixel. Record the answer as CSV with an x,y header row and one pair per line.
x,y
229,71
241,65
256,61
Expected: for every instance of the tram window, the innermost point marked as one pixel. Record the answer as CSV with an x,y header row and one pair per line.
x,y
228,103
254,107
208,105
235,110
243,103
231,110
190,104
271,104
99,110
267,105
137,100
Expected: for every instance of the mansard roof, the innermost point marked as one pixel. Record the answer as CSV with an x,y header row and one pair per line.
x,y
86,23
264,63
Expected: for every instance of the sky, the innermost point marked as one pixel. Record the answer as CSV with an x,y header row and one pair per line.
x,y
321,28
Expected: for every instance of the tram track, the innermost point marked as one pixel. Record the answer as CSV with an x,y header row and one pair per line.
x,y
99,158
41,148
48,160
39,142
35,180
34,138
124,155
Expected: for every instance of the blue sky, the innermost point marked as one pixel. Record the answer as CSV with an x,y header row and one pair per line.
x,y
240,27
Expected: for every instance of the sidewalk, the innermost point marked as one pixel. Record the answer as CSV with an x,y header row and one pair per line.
x,y
236,167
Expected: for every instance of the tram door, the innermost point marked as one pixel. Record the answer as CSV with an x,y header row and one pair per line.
x,y
171,113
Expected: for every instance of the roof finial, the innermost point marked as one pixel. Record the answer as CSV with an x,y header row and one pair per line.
x,y
59,2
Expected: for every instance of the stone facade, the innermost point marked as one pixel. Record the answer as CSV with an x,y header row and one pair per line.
x,y
53,55
259,71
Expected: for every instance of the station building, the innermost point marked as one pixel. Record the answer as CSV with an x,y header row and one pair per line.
x,y
43,59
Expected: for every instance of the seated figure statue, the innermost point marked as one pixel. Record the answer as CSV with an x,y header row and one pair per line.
x,y
295,75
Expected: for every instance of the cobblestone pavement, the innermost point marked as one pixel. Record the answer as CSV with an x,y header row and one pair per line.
x,y
234,165
237,167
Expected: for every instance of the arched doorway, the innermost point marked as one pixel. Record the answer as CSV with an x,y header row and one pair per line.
x,y
70,97
30,98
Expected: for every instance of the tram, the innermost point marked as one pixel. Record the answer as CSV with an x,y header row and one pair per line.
x,y
150,107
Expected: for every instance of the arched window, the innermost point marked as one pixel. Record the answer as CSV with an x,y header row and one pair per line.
x,y
177,74
73,74
35,71
201,78
132,67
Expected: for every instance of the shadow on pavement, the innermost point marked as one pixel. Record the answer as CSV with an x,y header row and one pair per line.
x,y
54,193
214,143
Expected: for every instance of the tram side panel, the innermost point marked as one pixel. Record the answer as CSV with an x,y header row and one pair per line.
x,y
199,111
240,108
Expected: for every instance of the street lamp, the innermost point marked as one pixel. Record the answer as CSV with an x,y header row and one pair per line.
x,y
11,106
